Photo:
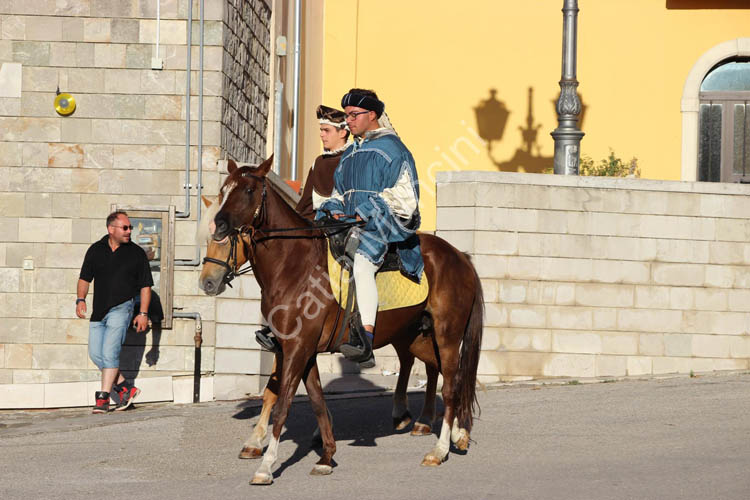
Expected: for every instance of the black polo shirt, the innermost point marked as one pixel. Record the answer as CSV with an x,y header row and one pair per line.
x,y
118,275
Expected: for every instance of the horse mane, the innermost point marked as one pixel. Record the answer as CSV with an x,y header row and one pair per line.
x,y
203,231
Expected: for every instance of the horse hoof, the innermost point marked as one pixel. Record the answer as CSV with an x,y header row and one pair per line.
x,y
401,423
261,479
431,460
248,452
463,442
321,470
421,429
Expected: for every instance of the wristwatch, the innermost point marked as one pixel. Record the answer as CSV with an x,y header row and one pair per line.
x,y
142,313
80,300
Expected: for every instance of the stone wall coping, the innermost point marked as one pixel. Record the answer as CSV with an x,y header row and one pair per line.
x,y
625,183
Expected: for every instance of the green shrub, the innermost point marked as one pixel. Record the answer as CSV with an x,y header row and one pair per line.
x,y
612,166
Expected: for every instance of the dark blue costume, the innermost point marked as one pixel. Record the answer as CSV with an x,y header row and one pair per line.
x,y
376,179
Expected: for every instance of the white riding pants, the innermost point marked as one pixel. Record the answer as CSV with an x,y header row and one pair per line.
x,y
367,290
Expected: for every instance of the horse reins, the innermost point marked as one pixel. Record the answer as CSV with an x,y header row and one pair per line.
x,y
251,229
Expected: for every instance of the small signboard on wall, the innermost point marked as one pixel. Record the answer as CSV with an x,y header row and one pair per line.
x,y
153,230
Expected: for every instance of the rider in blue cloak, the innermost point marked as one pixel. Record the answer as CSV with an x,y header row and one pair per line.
x,y
376,182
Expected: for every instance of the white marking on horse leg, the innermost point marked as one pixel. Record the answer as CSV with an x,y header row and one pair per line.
x,y
259,434
444,441
459,436
440,451
455,431
263,475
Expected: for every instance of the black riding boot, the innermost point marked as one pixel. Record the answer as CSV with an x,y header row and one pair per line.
x,y
359,348
267,341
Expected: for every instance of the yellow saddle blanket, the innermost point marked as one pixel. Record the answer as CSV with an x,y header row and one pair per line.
x,y
394,289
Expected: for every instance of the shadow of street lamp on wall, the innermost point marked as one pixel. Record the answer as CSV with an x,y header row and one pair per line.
x,y
492,116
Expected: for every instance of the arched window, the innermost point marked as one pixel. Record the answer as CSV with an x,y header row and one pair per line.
x,y
724,142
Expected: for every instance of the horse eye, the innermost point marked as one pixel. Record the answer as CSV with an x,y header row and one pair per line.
x,y
250,191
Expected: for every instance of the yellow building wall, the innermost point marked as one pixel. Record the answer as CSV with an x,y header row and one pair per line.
x,y
432,62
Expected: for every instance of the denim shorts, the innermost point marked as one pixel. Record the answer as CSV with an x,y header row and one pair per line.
x,y
107,336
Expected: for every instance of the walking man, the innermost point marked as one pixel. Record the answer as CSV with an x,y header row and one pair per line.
x,y
120,270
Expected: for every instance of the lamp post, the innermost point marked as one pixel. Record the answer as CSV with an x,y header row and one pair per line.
x,y
567,136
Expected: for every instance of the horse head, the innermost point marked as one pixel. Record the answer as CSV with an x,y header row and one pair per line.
x,y
242,199
224,221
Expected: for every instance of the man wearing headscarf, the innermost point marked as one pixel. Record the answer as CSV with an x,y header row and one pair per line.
x,y
376,181
319,183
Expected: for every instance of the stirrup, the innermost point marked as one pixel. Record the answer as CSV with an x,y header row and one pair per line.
x,y
361,352
266,341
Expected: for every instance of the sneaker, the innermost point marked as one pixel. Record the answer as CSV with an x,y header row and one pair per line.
x,y
359,348
102,402
369,362
267,340
127,395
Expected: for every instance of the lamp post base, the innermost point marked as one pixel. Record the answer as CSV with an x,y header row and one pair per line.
x,y
567,151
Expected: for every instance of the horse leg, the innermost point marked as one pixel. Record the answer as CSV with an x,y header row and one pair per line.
x,y
291,373
324,466
423,425
317,438
459,436
253,447
401,416
449,356
439,453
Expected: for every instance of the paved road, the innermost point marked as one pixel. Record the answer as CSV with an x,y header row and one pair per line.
x,y
677,438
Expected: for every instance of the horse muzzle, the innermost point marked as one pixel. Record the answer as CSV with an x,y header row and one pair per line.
x,y
211,286
222,230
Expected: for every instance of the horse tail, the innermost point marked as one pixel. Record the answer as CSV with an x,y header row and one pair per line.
x,y
465,395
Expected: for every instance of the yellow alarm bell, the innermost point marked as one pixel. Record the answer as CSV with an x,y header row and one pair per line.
x,y
65,104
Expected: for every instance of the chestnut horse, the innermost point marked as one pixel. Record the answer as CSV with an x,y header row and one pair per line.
x,y
223,262
290,266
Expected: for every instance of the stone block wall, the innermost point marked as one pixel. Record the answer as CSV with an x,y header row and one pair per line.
x,y
246,79
600,277
124,144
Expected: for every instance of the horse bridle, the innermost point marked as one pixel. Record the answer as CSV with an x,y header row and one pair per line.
x,y
232,271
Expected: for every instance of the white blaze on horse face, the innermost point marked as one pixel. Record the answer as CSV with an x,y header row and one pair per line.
x,y
226,190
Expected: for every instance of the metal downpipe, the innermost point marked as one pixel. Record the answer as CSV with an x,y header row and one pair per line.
x,y
198,339
186,213
277,126
199,161
295,120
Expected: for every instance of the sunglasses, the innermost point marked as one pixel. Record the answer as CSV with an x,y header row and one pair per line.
x,y
125,228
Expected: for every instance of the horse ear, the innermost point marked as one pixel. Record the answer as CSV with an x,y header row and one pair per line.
x,y
206,201
264,167
231,166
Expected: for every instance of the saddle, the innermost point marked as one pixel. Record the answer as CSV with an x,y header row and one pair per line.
x,y
396,289
342,244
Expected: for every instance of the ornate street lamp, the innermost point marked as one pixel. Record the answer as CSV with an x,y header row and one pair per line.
x,y
567,135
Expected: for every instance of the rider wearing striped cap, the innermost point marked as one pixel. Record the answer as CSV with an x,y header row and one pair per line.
x,y
319,183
